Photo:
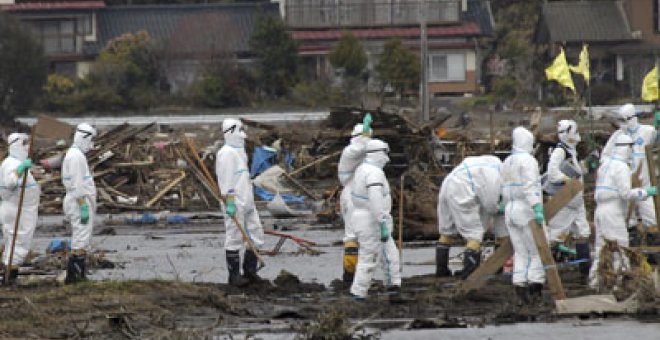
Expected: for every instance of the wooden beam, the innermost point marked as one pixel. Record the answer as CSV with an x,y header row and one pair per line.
x,y
165,190
650,159
551,271
479,277
318,161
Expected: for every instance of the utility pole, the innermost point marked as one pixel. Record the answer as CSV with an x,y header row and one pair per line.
x,y
423,79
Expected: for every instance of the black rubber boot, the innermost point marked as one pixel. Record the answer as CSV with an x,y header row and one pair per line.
x,y
522,295
471,260
350,264
75,269
234,268
250,263
536,293
635,238
583,253
442,260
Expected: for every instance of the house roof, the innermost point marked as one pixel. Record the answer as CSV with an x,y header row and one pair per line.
x,y
184,29
51,6
583,21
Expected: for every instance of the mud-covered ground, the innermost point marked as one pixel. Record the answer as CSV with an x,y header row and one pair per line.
x,y
170,283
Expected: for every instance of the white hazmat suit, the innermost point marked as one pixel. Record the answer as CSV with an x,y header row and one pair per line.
x,y
521,190
80,200
373,221
351,157
231,167
468,199
641,135
613,191
10,189
79,184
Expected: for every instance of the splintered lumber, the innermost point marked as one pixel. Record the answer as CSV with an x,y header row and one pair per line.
x,y
165,190
478,278
300,186
551,271
318,161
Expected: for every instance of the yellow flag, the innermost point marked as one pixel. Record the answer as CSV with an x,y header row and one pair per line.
x,y
559,72
650,86
583,65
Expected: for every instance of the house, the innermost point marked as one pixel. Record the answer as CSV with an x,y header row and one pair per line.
x,y
458,35
623,38
74,32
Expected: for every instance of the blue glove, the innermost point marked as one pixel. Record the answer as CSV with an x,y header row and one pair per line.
x,y
538,213
231,208
384,234
26,164
84,213
652,191
564,249
501,208
366,124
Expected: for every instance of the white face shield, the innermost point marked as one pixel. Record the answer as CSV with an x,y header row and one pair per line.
x,y
376,153
19,144
568,133
234,131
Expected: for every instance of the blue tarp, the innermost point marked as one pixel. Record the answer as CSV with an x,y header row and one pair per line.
x,y
262,159
268,196
58,245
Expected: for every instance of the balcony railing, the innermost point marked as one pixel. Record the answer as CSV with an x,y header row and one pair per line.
x,y
369,13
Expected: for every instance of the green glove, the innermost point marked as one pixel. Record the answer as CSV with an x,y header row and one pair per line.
x,y
652,191
656,119
366,124
84,213
231,208
501,208
538,213
564,249
384,234
26,164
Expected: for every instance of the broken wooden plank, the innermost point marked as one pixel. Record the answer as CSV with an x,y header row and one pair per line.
x,y
650,159
478,278
165,190
311,164
551,271
300,186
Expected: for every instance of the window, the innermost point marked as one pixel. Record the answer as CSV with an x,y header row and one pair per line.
x,y
447,67
57,36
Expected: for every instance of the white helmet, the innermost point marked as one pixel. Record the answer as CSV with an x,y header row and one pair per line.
x,y
234,132
627,117
522,140
18,145
623,147
83,137
567,130
376,153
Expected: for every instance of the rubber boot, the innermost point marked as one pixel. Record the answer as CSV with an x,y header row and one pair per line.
x,y
471,260
522,295
250,263
394,293
536,293
75,269
442,260
350,261
635,238
234,268
583,253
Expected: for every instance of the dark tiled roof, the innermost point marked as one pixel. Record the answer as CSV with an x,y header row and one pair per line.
x,y
184,29
479,12
584,21
51,6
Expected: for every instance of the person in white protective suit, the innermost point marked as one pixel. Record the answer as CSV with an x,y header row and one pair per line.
x,y
80,200
564,167
231,167
373,222
521,190
468,199
641,135
11,178
351,157
613,191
